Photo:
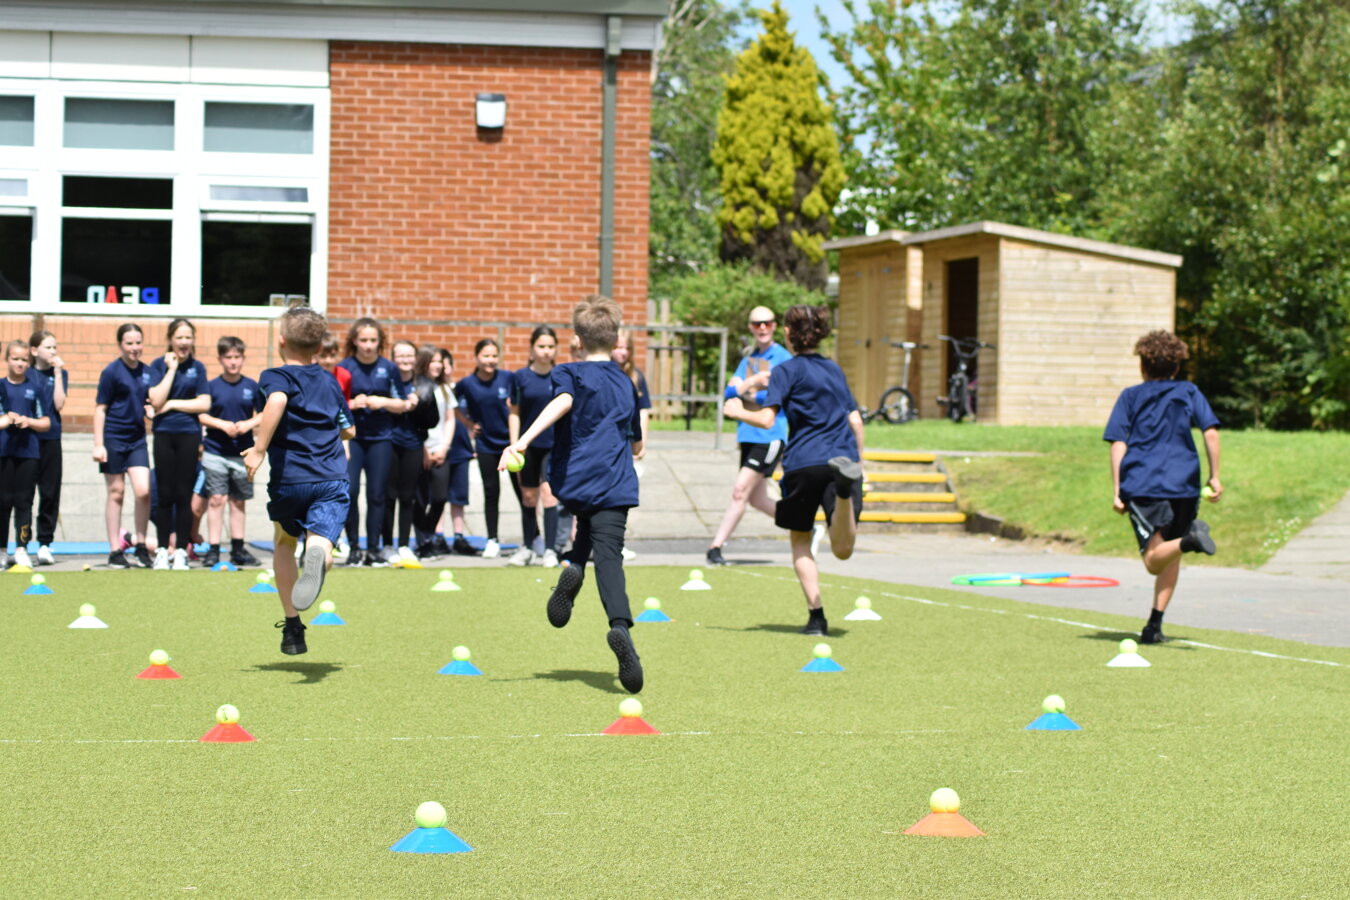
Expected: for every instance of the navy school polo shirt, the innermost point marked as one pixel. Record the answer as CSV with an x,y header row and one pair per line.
x,y
531,392
28,398
461,445
592,463
189,383
401,431
1154,420
307,445
485,403
233,403
375,379
48,379
123,390
812,391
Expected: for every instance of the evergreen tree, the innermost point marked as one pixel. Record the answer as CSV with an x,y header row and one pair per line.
x,y
779,159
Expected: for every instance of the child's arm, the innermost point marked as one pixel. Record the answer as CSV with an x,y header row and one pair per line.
x,y
248,424
513,421
1211,436
100,417
41,423
160,392
270,419
760,418
221,425
1117,454
558,407
58,384
195,405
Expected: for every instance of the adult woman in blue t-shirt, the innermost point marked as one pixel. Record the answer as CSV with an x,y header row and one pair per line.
x,y
179,394
119,442
531,391
483,410
377,395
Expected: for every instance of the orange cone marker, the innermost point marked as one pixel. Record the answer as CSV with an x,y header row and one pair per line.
x,y
227,730
944,820
159,667
630,719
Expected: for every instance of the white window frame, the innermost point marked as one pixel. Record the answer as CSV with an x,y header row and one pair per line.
x,y
193,171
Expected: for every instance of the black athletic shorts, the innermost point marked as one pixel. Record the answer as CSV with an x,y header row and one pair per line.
x,y
762,458
1170,515
535,469
805,491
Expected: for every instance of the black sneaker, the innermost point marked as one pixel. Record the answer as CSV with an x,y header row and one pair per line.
x,y
118,560
426,550
211,558
1198,539
310,582
292,637
630,666
244,558
463,547
142,556
817,626
847,472
439,547
715,557
374,561
564,595
1152,634
354,558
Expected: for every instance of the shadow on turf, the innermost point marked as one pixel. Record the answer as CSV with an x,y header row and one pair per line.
x,y
778,628
601,681
1116,637
312,672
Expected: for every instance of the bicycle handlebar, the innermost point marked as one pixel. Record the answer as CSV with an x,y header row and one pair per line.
x,y
963,343
908,345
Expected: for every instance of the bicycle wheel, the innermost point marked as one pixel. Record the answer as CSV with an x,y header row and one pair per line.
x,y
897,406
958,397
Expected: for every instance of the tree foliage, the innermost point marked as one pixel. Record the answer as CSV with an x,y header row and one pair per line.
x,y
778,156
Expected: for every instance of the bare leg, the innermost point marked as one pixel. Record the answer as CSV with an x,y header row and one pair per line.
x,y
843,529
140,486
805,565
457,523
760,499
198,510
236,519
112,513
284,564
1159,555
747,481
1165,584
215,515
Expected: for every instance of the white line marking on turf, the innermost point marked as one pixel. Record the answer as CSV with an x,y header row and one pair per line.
x,y
479,737
1076,624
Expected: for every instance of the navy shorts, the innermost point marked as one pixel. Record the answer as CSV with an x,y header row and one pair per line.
x,y
319,507
1172,516
124,456
535,470
762,458
459,483
806,490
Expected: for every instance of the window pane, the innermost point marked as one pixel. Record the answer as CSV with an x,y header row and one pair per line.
x,y
117,193
16,121
119,124
259,128
13,187
244,263
252,194
16,256
103,256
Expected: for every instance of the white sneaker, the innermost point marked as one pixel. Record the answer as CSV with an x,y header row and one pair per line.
x,y
627,554
390,555
180,563
21,557
817,532
521,557
45,557
408,559
537,546
4,560
549,560
492,549
161,559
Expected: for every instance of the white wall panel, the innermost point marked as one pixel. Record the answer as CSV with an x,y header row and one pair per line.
x,y
218,60
25,54
119,57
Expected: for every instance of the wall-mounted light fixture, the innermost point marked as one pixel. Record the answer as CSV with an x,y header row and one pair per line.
x,y
490,110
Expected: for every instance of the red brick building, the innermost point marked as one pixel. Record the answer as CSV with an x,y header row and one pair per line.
x,y
218,160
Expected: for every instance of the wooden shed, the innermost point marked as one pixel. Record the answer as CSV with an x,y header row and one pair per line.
x,y
1064,313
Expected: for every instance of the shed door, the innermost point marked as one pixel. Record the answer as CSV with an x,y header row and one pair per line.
x,y
963,306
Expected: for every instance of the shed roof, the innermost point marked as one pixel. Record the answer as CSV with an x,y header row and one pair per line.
x,y
1017,232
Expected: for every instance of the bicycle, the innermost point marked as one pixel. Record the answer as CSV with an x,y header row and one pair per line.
x,y
897,403
960,399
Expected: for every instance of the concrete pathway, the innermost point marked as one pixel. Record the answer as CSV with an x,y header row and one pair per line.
x,y
1322,550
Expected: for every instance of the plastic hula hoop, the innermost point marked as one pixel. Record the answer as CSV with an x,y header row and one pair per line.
x,y
1074,581
1005,578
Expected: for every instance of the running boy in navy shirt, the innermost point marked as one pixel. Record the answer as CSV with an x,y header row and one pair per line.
x,y
304,421
597,433
1155,470
235,404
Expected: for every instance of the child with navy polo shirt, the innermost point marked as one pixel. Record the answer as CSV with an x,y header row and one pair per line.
x,y
179,395
531,391
24,406
483,395
822,466
49,370
119,442
1155,470
304,421
236,402
596,435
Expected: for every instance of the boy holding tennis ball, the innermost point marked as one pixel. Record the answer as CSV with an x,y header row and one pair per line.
x,y
304,421
1156,471
597,434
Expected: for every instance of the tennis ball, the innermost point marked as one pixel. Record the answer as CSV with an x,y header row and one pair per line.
x,y
1129,645
159,658
86,609
38,578
695,574
652,603
630,707
1207,492
86,567
227,714
460,653
1053,704
327,606
430,815
822,651
863,603
263,578
944,800
514,461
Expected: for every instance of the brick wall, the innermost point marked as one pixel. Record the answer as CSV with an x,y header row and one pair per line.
x,y
431,220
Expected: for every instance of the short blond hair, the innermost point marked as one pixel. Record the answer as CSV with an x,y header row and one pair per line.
x,y
304,329
597,320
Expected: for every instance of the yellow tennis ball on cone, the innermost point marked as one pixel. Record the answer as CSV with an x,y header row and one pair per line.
x,y
822,651
430,815
944,800
1053,704
159,658
1129,645
227,714
630,707
327,606
460,653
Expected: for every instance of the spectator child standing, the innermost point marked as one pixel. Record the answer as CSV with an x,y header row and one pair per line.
x,y
303,424
51,372
236,402
119,442
24,403
1155,471
531,391
178,393
483,411
407,437
596,437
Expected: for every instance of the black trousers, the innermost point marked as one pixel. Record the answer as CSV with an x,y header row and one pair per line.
x,y
600,534
403,476
433,486
492,489
18,477
175,474
49,490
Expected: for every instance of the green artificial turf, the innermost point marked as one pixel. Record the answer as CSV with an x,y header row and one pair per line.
x,y
1211,774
